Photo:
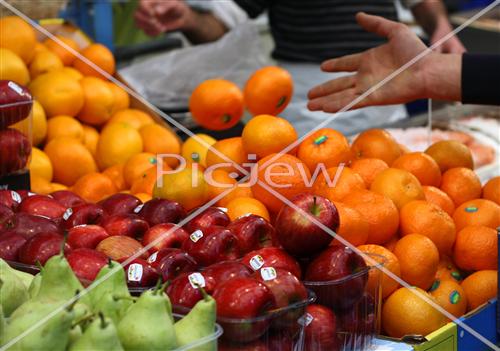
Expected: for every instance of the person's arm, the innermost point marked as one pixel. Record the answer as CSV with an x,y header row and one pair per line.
x,y
480,79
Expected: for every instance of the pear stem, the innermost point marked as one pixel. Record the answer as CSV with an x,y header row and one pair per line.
x,y
165,285
103,321
39,265
63,244
203,293
130,298
83,320
110,263
157,286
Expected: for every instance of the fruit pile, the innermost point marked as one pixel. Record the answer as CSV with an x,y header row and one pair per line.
x,y
106,318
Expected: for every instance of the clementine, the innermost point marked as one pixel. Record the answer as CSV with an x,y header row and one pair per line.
x,y
116,174
146,182
476,248
160,140
138,164
491,190
94,187
337,182
121,98
43,62
244,206
235,154
376,143
18,36
136,118
195,148
90,138
117,143
98,101
64,126
461,184
477,212
439,198
450,295
480,287
450,154
353,225
368,168
421,166
398,185
100,56
66,56
13,68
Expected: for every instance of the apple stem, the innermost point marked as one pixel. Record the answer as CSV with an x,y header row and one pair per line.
x,y
315,208
103,321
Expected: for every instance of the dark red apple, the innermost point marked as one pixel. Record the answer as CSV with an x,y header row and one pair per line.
x,y
6,214
10,198
163,236
175,263
120,248
158,211
297,232
184,293
42,205
15,103
256,345
83,214
120,204
86,263
358,324
128,225
210,217
320,329
223,271
41,247
281,341
86,235
253,232
15,150
216,244
29,225
67,198
140,273
25,193
271,257
10,243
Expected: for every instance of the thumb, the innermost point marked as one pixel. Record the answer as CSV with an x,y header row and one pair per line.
x,y
378,25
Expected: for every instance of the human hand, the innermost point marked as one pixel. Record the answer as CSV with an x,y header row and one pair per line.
x,y
155,17
451,46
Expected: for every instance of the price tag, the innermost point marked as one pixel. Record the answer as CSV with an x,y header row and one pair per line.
x,y
305,320
268,273
152,258
138,208
15,87
256,262
15,196
196,280
196,235
67,213
134,272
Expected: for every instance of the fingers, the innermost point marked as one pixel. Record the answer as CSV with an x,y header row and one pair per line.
x,y
337,102
348,63
332,86
378,25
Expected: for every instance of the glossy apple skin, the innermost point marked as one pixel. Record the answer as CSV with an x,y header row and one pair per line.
x,y
224,271
172,236
29,225
253,232
120,247
217,244
67,198
274,257
10,198
149,276
158,211
296,231
10,244
360,321
128,225
83,214
337,262
6,214
212,216
183,295
86,263
41,247
257,345
176,262
42,205
321,333
243,298
86,236
120,204
15,103
15,150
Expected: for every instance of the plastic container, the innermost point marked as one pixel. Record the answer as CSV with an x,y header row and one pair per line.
x,y
203,342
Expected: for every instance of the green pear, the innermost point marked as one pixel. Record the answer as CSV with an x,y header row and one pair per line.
x,y
147,324
34,287
13,292
100,335
3,324
75,333
25,277
114,307
197,324
114,283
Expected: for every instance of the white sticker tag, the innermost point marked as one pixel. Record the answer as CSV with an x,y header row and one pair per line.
x,y
152,258
31,194
256,262
67,213
80,226
305,320
196,235
138,208
268,273
196,280
134,272
15,196
15,87
223,209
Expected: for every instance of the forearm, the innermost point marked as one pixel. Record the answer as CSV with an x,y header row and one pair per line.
x,y
203,27
431,14
442,76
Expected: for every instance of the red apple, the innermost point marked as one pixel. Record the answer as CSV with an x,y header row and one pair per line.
x,y
155,258
257,345
41,247
286,287
214,245
174,263
86,235
120,248
86,263
128,225
210,217
10,198
67,198
164,235
140,273
158,211
6,214
120,204
296,231
271,257
29,225
42,205
10,243
184,293
15,150
253,232
223,271
25,193
15,103
83,214
320,329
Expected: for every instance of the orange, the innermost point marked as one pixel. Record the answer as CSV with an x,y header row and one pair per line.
x,y
476,248
404,149
43,62
391,244
427,219
40,185
398,185
405,312
117,143
376,143
419,260
239,190
477,212
480,287
243,206
71,72
439,198
379,211
325,146
143,197
57,187
187,187
218,181
391,263
368,168
39,47
66,56
39,124
461,184
100,56
491,190
268,91
121,98
421,166
18,36
136,165
195,148
94,187
448,270
13,68
99,101
160,140
287,176
353,225
70,160
337,182
64,126
58,93
40,164
450,295
90,138
216,104
266,134
232,148
450,154
145,182
136,118
115,173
